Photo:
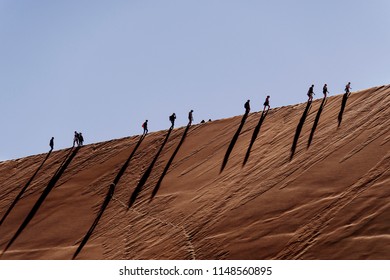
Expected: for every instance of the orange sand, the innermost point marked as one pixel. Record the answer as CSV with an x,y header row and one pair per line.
x,y
331,201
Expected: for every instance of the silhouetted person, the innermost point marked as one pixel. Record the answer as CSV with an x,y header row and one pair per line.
x,y
348,88
202,121
325,90
51,143
76,139
81,139
209,120
310,93
145,127
266,103
190,117
247,107
172,118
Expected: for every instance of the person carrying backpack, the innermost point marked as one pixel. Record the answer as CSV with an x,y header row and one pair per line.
x,y
266,103
247,107
348,88
172,118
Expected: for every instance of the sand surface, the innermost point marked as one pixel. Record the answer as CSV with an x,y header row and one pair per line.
x,y
194,193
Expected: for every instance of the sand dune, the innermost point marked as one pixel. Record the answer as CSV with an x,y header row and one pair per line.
x,y
300,182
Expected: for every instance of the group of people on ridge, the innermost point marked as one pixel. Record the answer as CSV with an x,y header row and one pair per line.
x,y
172,119
325,91
266,105
79,139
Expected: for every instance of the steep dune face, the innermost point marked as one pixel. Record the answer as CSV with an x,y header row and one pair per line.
x,y
312,185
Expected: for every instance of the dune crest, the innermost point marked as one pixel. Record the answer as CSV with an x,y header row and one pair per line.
x,y
309,181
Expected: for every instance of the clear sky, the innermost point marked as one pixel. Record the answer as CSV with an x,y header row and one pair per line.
x,y
103,67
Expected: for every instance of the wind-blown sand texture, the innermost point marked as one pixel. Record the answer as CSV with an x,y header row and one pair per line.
x,y
200,193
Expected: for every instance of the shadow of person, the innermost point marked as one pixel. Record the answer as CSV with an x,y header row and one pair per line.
x,y
72,153
343,104
317,119
299,129
233,141
157,187
24,189
107,199
254,135
146,175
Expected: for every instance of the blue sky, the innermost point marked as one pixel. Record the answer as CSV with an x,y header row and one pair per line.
x,y
103,67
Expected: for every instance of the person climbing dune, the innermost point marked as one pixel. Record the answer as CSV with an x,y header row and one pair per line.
x,y
325,90
81,139
348,88
310,93
247,107
76,139
51,143
145,127
266,103
190,117
172,118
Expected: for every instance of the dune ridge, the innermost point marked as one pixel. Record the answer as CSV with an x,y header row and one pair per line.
x,y
307,181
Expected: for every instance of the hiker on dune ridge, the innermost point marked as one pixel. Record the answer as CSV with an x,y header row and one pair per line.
x,y
266,103
190,117
348,88
81,139
145,127
310,93
51,143
172,118
76,139
325,90
247,107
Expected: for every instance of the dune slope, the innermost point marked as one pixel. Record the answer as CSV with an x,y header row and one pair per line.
x,y
300,182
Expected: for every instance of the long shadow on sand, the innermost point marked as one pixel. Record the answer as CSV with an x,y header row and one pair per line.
x,y
299,129
233,142
254,136
109,195
343,104
157,187
23,189
107,199
146,175
317,119
68,159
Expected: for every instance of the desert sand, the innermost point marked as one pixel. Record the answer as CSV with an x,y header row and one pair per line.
x,y
198,192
